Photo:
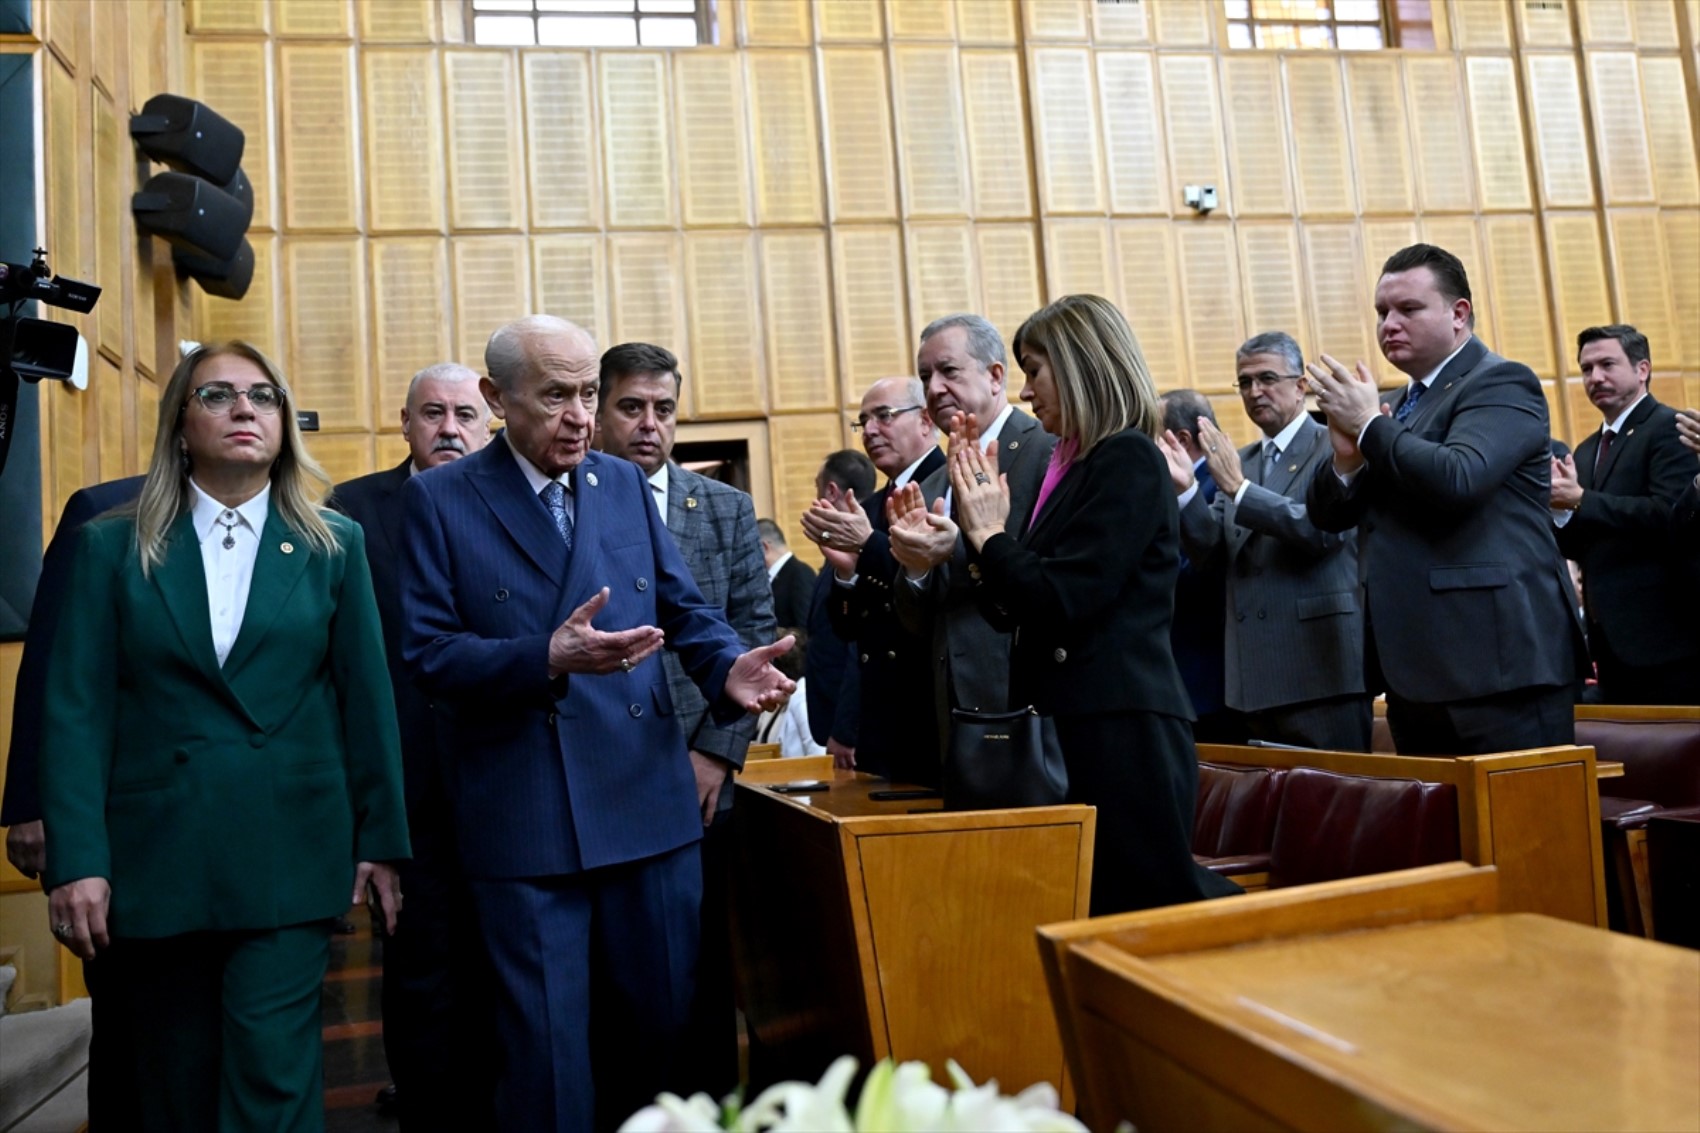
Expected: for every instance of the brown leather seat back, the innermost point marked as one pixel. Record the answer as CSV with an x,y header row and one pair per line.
x,y
1236,809
1332,826
1661,758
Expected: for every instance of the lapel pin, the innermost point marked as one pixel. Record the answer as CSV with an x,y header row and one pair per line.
x,y
1629,433
1445,387
1292,468
1013,445
590,478
288,548
690,502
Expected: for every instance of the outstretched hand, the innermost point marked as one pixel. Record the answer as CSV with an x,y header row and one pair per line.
x,y
576,646
754,684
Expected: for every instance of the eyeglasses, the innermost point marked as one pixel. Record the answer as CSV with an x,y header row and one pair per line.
x,y
1263,381
218,398
884,415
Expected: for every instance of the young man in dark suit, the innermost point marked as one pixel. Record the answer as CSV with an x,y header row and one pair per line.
x,y
1469,622
793,580
438,1030
1612,501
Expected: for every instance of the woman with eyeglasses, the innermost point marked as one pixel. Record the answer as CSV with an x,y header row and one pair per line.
x,y
1088,590
220,769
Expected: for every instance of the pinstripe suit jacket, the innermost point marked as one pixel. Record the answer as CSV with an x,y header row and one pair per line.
x,y
1295,627
553,776
714,525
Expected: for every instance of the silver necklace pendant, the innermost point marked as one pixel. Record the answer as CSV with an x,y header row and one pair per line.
x,y
229,540
229,530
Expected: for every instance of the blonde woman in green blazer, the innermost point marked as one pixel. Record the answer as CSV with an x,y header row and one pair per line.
x,y
220,769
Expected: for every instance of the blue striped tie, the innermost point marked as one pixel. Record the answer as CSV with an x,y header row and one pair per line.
x,y
555,499
1409,405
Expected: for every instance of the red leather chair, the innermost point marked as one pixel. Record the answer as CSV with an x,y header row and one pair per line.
x,y
1332,826
1234,822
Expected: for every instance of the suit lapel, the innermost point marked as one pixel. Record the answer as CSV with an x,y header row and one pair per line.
x,y
182,583
1288,463
1621,441
1454,372
681,517
592,480
390,513
276,574
1059,496
508,494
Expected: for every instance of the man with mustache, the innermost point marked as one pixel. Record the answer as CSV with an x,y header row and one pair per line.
x,y
438,1030
1612,502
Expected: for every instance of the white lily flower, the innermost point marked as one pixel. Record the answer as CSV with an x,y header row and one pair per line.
x,y
797,1107
901,1099
673,1114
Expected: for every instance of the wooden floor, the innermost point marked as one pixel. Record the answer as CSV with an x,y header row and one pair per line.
x,y
355,1069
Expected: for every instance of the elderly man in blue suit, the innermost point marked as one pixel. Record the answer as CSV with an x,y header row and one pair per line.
x,y
538,584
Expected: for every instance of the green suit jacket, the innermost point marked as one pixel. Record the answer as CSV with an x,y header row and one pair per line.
x,y
219,799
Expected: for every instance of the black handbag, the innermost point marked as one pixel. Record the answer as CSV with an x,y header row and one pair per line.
x,y
1003,759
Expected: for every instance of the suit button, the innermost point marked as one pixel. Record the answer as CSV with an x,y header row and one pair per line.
x,y
890,655
864,658
636,710
1060,656
258,739
181,757
1262,614
502,594
1239,617
551,717
643,584
974,571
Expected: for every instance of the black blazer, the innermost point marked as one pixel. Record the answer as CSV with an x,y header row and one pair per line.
x,y
1089,588
792,588
23,798
1637,599
832,686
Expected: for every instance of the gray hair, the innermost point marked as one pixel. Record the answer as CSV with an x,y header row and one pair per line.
x,y
1183,407
504,355
440,372
770,532
984,341
1274,342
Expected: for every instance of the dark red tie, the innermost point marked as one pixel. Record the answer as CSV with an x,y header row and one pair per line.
x,y
1600,453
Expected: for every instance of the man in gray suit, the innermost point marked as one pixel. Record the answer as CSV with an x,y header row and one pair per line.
x,y
1294,644
961,363
1470,622
714,525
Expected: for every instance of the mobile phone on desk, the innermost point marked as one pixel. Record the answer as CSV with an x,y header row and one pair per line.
x,y
905,795
801,787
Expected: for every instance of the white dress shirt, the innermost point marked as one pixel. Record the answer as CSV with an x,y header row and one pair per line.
x,y
230,570
779,565
534,476
658,486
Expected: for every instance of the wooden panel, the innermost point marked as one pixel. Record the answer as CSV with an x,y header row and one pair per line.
x,y
1128,96
1545,23
775,23
316,125
147,53
570,280
235,76
1009,277
1269,268
111,229
1120,23
728,377
997,135
1056,19
147,420
489,277
1497,130
647,299
1522,315
561,148
1381,238
986,21
930,140
67,452
1620,132
921,19
1193,119
1178,23
1580,297
65,27
1379,137
1323,161
1152,302
636,153
1682,244
326,362
227,15
484,163
1444,180
1460,236
1340,295
397,21
787,148
853,20
404,139
342,456
1655,24
799,444
1538,859
858,134
873,336
802,371
1257,134
1606,21
107,28
714,161
1642,278
942,279
66,198
145,316
1210,288
1670,129
1555,102
106,386
320,18
1065,131
1078,259
255,318
410,301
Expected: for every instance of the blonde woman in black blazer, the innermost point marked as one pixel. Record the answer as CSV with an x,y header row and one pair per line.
x,y
1088,588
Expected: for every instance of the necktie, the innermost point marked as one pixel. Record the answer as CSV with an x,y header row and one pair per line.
x,y
1600,453
555,499
1409,405
1271,453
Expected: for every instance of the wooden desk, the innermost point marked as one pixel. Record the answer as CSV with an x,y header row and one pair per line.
x,y
891,928
1400,1001
1608,769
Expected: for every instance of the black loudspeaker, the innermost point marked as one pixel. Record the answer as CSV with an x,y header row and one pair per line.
x,y
194,215
189,136
228,279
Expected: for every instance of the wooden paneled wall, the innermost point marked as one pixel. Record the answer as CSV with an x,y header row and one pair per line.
x,y
96,62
